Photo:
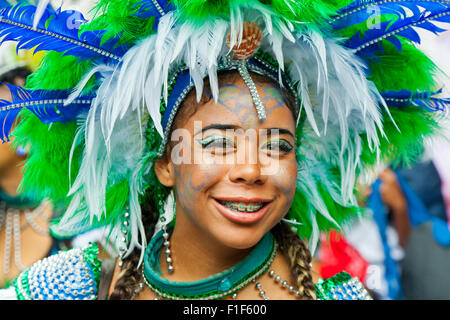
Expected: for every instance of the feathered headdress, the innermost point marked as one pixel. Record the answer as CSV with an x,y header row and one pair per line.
x,y
98,111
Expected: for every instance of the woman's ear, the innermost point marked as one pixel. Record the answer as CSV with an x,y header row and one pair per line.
x,y
165,172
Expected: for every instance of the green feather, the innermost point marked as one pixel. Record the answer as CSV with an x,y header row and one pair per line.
x,y
406,144
47,167
46,171
312,11
300,211
416,69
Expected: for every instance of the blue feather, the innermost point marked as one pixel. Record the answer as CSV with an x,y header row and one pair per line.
x,y
47,105
360,11
426,100
153,8
420,14
58,31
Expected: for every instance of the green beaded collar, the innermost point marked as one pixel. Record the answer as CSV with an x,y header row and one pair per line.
x,y
19,201
216,286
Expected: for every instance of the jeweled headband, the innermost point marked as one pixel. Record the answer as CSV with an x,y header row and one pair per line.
x,y
181,83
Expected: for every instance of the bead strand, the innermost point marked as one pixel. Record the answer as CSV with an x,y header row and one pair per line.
x,y
166,244
283,283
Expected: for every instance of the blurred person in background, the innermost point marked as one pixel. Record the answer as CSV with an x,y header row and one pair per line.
x,y
417,199
24,220
399,248
416,210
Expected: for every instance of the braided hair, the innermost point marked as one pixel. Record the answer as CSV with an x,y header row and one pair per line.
x,y
295,249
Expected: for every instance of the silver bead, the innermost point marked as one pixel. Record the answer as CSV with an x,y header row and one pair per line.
x,y
284,284
277,279
271,273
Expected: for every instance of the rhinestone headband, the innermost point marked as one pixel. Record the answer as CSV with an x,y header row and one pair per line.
x,y
180,84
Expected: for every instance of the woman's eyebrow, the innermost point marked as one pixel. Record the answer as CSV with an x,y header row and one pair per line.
x,y
280,131
218,126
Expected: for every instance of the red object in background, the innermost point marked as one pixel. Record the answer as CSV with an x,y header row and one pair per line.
x,y
337,255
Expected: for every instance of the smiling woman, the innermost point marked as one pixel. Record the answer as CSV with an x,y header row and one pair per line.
x,y
218,142
224,208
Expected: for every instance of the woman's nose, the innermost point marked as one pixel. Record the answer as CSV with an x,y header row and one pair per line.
x,y
247,173
247,167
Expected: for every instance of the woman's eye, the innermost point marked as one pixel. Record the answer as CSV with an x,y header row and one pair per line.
x,y
220,143
278,146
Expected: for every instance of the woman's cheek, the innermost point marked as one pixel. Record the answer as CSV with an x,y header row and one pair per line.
x,y
193,182
285,179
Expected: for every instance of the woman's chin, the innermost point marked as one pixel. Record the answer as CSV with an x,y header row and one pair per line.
x,y
237,238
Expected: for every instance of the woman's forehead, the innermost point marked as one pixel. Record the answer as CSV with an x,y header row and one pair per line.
x,y
235,104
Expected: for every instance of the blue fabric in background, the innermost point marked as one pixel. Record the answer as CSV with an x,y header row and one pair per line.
x,y
380,215
418,214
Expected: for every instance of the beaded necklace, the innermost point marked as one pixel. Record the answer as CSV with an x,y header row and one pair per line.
x,y
10,211
218,286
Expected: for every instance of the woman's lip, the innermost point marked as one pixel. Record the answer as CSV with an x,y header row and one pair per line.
x,y
241,217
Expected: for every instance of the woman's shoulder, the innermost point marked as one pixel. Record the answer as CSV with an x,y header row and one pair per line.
x,y
341,287
69,275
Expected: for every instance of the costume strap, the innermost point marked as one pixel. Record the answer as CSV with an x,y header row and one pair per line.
x,y
341,287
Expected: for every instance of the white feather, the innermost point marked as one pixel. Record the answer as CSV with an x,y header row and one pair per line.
x,y
40,9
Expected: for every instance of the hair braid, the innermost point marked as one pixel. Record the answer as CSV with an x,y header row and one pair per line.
x,y
295,249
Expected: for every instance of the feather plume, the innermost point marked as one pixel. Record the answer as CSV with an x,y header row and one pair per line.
x,y
40,9
153,8
330,81
57,31
426,100
420,14
362,10
49,106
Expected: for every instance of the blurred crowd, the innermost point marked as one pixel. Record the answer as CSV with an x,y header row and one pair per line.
x,y
400,247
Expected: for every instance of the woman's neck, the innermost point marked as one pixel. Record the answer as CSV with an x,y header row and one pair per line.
x,y
197,255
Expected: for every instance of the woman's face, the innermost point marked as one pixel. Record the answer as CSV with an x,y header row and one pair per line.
x,y
8,157
234,176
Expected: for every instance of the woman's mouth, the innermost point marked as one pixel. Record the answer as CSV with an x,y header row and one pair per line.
x,y
242,206
242,210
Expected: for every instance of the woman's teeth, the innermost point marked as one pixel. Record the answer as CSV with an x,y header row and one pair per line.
x,y
243,206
